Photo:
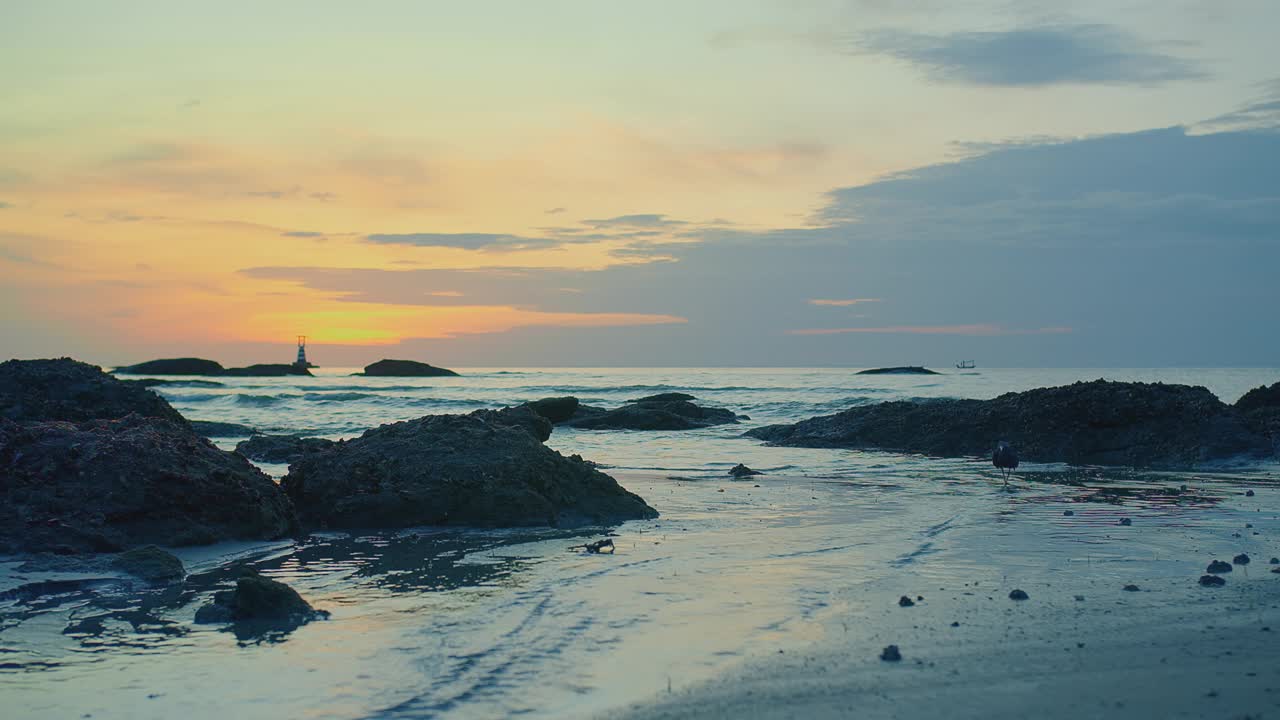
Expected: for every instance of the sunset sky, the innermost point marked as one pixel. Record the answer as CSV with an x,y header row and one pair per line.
x,y
664,183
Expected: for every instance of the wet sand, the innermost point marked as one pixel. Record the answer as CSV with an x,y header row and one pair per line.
x,y
1081,646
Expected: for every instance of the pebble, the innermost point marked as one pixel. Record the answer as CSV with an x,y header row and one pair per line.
x,y
1248,493
1212,581
1241,559
905,601
890,654
1018,595
1068,513
1275,561
1131,588
1126,521
1217,566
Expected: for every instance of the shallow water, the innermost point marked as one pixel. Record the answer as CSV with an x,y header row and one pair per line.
x,y
482,624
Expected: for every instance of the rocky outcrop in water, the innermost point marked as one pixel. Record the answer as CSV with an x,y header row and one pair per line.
x,y
259,599
104,485
654,413
280,448
174,366
211,429
150,563
483,469
1102,423
520,416
903,370
1261,409
66,389
405,368
555,409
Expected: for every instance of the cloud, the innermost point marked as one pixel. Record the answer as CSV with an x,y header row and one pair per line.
x,y
844,303
555,210
983,330
646,220
1263,113
463,241
1034,56
4,205
302,234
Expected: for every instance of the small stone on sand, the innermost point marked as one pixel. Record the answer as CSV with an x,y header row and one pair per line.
x,y
1212,581
905,601
1018,595
890,654
1248,493
1126,521
1217,566
1241,559
1131,588
1068,513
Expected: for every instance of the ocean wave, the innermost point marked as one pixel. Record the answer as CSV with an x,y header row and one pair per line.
x,y
263,400
338,396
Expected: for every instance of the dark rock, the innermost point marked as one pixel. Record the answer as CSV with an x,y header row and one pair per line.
x,y
221,429
1018,595
454,470
1212,581
891,654
1248,493
1241,559
741,470
174,366
905,601
150,563
65,389
555,409
1264,397
1098,423
1218,566
268,370
665,397
1126,521
104,485
902,370
1275,561
280,448
651,415
521,416
1131,588
1068,513
405,368
259,599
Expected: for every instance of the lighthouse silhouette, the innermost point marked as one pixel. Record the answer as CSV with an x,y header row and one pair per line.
x,y
301,362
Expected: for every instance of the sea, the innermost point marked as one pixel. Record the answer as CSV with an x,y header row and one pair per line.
x,y
456,623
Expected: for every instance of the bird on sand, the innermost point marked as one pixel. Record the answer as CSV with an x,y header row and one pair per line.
x,y
1005,458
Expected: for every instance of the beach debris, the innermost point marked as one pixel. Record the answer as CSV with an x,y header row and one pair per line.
x,y
1018,595
1241,559
1126,521
905,601
1248,493
1212,581
741,471
600,546
1218,566
891,654
1131,588
1068,513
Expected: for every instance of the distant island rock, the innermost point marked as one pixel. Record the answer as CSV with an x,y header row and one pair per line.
x,y
202,367
1151,425
405,368
267,370
903,370
174,366
488,468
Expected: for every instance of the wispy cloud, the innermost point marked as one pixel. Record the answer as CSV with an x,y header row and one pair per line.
x,y
555,210
1034,56
844,303
644,220
463,241
978,329
4,205
302,234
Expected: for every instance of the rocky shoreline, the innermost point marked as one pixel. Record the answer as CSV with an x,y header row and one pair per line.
x,y
1149,425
